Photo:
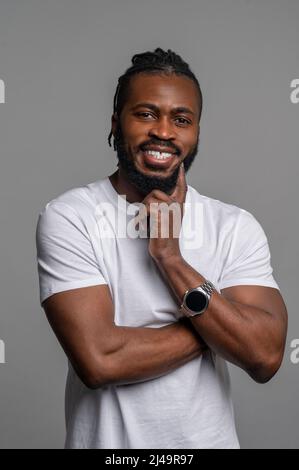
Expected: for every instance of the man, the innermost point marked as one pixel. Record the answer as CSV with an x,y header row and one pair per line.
x,y
148,322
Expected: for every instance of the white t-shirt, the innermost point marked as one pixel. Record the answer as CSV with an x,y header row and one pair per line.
x,y
80,243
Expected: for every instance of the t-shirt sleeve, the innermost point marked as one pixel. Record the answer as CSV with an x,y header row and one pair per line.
x,y
65,255
249,260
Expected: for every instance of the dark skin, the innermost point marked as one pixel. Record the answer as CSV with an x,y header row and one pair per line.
x,y
244,324
162,119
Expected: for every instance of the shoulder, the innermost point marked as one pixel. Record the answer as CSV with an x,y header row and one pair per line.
x,y
73,209
219,211
80,201
228,219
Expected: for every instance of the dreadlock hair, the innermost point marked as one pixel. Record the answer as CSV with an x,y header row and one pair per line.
x,y
156,62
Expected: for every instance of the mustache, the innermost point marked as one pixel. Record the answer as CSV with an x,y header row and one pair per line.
x,y
119,140
161,143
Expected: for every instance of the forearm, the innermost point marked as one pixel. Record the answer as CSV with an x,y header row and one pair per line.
x,y
242,334
146,353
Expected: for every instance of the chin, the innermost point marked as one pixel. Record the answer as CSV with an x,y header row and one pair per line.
x,y
147,182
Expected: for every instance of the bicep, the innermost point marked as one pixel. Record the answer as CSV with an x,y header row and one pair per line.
x,y
83,322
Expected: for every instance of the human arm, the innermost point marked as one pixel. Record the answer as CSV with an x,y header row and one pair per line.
x,y
75,295
244,324
103,353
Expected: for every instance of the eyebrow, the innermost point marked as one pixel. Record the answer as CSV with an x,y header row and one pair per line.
x,y
153,107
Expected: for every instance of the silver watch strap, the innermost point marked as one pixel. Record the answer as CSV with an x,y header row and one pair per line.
x,y
208,287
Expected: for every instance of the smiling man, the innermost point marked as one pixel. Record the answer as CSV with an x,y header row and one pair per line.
x,y
148,323
151,153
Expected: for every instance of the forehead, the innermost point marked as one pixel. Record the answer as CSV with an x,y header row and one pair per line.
x,y
169,91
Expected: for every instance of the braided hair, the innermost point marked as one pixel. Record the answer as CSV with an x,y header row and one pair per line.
x,y
156,62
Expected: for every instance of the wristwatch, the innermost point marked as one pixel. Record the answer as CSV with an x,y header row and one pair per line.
x,y
196,300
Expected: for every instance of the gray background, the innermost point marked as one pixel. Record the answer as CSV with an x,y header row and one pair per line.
x,y
60,61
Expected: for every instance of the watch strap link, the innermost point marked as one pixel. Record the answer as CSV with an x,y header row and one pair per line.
x,y
208,287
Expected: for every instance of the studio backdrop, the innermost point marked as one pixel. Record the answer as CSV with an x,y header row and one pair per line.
x,y
59,65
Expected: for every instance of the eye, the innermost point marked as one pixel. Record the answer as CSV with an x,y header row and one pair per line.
x,y
144,115
183,121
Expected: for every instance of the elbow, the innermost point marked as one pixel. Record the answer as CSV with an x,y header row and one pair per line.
x,y
92,382
262,371
94,376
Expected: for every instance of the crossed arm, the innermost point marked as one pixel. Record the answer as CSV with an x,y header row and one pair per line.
x,y
103,353
244,324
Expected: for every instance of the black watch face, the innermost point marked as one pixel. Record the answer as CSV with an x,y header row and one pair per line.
x,y
196,301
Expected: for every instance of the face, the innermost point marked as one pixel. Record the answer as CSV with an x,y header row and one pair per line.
x,y
158,128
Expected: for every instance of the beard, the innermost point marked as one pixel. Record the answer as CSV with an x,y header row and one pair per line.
x,y
144,183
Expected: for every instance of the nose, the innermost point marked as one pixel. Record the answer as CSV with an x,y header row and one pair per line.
x,y
162,129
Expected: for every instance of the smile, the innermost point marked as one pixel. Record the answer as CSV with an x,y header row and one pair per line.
x,y
157,159
159,155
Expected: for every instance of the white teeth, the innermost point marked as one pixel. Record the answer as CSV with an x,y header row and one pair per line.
x,y
159,155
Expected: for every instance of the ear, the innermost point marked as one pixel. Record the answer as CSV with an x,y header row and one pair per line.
x,y
114,123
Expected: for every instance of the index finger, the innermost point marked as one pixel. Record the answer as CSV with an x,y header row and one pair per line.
x,y
180,189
